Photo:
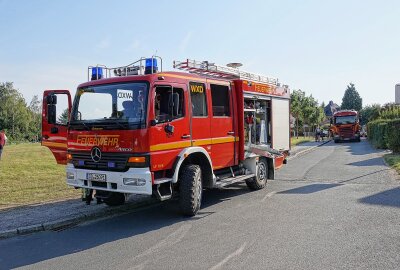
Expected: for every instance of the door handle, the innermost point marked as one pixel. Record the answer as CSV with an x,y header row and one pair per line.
x,y
185,136
231,133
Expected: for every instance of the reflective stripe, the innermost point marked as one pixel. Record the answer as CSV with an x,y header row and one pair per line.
x,y
200,142
54,144
169,146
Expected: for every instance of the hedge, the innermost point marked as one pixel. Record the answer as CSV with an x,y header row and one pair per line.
x,y
384,133
393,135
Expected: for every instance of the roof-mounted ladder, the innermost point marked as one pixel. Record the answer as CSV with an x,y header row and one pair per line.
x,y
216,71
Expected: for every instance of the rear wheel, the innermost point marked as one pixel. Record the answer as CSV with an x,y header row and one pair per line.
x,y
114,199
190,189
260,180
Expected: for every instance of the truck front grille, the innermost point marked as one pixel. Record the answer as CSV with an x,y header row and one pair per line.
x,y
108,161
346,132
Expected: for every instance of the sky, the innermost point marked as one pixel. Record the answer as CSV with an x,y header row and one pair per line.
x,y
316,46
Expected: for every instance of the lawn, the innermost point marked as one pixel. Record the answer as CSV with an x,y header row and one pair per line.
x,y
394,161
296,141
29,174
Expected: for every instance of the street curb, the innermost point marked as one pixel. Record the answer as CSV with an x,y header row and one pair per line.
x,y
305,151
84,217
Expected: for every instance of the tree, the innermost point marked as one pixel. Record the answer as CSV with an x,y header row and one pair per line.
x,y
16,117
351,99
63,118
296,102
35,109
370,113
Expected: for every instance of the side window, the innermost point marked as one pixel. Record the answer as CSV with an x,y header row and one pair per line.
x,y
62,114
220,100
198,98
169,103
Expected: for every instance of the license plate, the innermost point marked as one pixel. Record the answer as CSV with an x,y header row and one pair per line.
x,y
96,177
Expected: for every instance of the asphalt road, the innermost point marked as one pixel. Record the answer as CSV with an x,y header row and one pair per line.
x,y
334,208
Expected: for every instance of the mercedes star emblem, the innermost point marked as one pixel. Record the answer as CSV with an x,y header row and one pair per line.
x,y
96,154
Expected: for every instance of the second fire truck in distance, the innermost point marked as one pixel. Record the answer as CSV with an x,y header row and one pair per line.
x,y
139,130
345,126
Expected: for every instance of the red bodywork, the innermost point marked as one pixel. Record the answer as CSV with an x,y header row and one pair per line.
x,y
222,137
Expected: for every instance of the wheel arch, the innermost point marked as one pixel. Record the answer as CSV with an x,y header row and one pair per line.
x,y
198,156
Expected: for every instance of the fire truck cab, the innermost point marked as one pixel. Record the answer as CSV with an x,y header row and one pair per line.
x,y
139,130
345,126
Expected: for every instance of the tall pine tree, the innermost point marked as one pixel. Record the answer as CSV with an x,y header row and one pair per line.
x,y
351,99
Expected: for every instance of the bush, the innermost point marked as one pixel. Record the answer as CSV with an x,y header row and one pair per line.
x,y
393,135
377,133
385,133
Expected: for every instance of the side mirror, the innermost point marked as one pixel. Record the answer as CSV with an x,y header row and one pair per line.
x,y
51,99
51,114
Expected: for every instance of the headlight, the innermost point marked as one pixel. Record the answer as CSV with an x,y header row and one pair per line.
x,y
134,181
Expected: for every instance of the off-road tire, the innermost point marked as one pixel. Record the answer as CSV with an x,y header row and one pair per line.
x,y
115,199
190,189
260,180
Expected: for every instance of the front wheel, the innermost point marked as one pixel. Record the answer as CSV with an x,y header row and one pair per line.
x,y
260,180
190,189
114,199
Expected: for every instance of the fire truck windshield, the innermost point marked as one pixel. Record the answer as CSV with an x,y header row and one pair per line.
x,y
348,119
113,106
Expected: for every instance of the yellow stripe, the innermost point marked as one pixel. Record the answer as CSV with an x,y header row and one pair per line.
x,y
169,146
59,145
222,140
202,142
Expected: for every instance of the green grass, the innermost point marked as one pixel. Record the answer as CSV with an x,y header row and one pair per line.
x,y
393,160
29,174
296,141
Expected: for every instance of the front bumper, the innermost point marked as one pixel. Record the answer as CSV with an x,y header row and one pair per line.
x,y
114,180
342,138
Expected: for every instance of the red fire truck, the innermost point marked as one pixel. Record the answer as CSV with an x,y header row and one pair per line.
x,y
139,130
345,126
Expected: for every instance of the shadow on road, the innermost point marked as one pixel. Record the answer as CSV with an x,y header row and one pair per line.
x,y
31,249
389,197
362,148
378,161
309,189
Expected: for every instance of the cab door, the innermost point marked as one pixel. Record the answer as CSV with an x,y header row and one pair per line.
x,y
200,115
55,116
222,127
170,125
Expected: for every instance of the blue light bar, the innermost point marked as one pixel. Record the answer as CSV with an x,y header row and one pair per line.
x,y
151,66
111,164
149,62
97,73
81,162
